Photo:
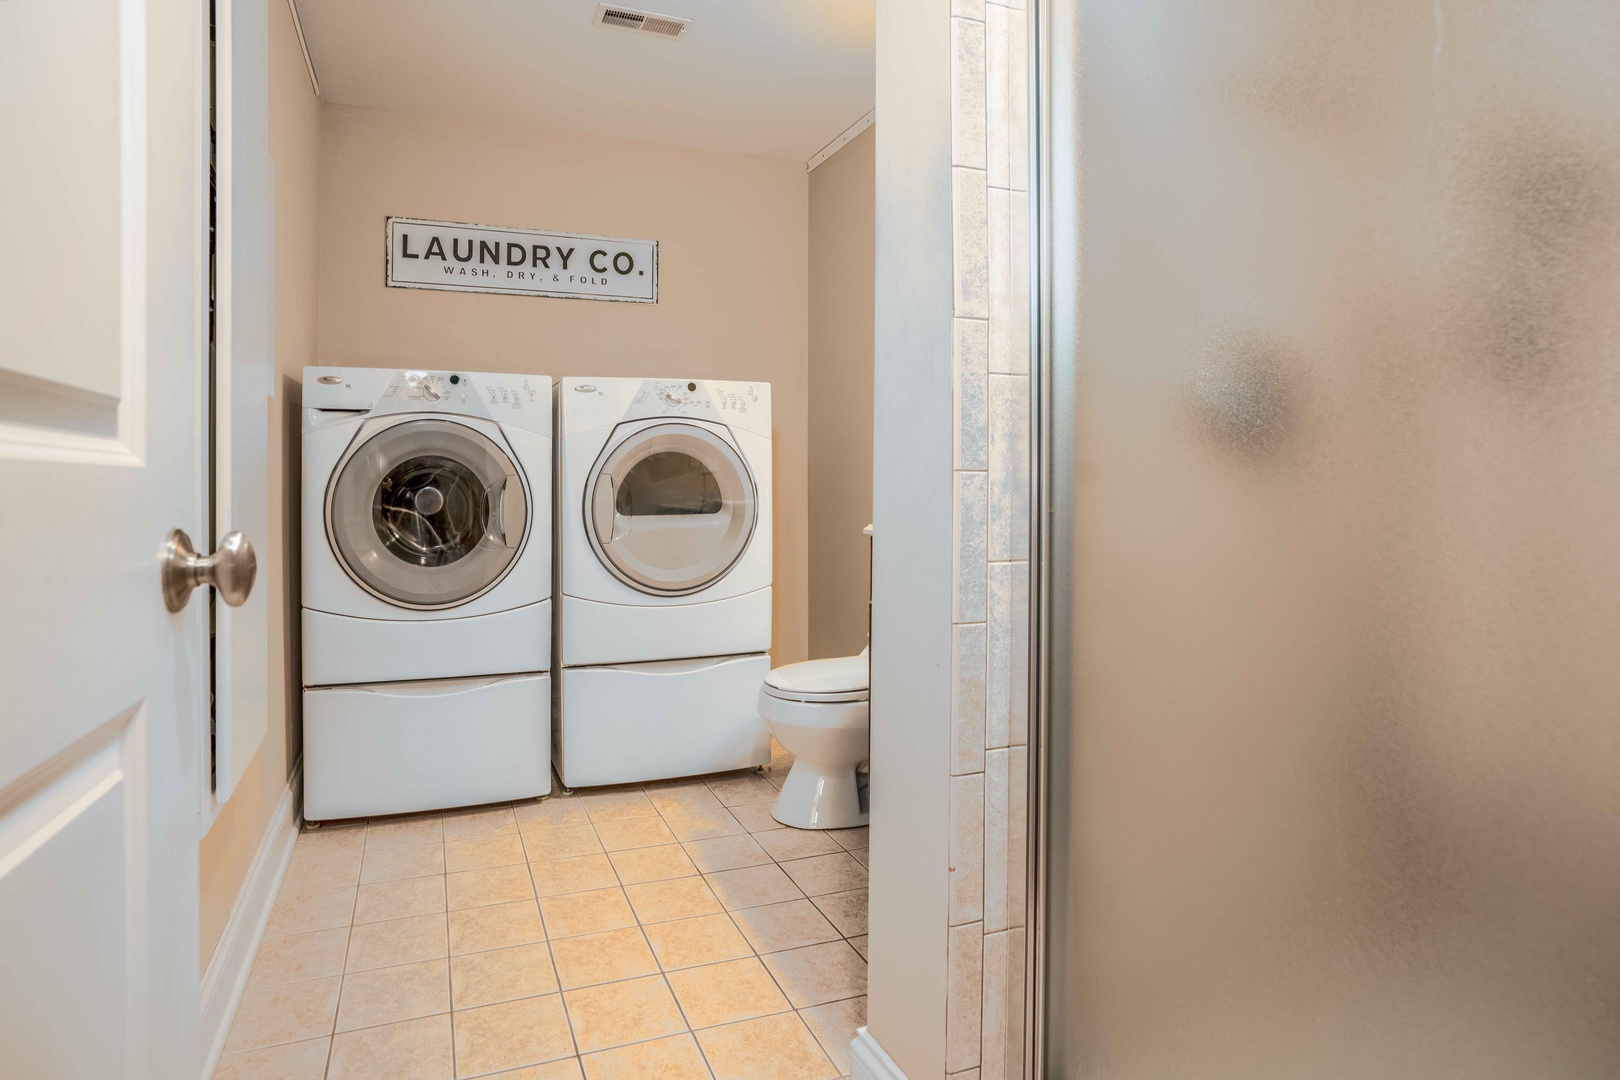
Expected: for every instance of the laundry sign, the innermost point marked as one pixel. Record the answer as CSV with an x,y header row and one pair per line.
x,y
456,257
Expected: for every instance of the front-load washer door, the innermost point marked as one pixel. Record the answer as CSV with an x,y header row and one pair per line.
x,y
426,512
669,508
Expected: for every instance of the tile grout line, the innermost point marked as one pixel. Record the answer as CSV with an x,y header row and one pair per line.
x,y
551,959
641,928
348,943
331,1042
449,978
729,917
760,957
757,957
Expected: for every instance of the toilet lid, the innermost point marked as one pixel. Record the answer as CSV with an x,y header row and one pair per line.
x,y
838,678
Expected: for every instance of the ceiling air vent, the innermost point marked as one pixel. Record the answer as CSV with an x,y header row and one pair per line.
x,y
641,22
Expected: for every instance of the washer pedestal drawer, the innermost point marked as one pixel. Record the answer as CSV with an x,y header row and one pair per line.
x,y
340,650
401,747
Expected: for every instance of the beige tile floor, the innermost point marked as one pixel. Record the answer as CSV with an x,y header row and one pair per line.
x,y
671,930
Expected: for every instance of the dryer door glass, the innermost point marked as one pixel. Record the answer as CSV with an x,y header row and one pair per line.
x,y
426,513
670,508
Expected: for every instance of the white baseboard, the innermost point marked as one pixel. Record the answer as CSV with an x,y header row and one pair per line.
x,y
869,1061
228,968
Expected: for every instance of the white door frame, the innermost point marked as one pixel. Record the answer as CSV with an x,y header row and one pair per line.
x,y
243,379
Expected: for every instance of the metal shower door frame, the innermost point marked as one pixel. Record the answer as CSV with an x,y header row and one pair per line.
x,y
1042,522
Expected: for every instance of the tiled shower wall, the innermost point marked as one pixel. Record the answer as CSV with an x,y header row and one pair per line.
x,y
990,707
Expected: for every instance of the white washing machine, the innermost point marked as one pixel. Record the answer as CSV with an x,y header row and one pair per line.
x,y
427,563
664,544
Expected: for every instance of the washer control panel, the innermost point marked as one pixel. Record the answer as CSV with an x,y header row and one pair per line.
x,y
507,395
465,392
415,389
516,399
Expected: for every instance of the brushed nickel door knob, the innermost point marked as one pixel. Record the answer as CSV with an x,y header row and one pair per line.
x,y
231,569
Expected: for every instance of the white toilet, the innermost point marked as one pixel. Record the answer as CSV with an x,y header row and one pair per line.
x,y
818,711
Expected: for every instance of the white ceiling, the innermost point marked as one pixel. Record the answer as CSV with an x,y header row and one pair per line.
x,y
780,78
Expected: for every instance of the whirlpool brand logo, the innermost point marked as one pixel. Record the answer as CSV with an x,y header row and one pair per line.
x,y
454,257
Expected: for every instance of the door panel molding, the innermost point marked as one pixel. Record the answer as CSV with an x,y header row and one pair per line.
x,y
73,372
76,952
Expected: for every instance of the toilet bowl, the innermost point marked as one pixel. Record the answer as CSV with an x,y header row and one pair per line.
x,y
818,711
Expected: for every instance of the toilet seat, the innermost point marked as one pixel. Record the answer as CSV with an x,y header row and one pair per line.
x,y
831,680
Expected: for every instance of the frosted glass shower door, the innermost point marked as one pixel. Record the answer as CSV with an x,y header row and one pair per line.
x,y
1333,739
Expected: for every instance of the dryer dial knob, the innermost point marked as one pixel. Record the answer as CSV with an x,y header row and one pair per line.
x,y
432,390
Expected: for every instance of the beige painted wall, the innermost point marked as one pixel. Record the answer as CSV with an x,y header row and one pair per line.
x,y
733,274
842,193
295,123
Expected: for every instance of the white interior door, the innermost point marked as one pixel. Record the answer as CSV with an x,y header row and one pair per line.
x,y
103,716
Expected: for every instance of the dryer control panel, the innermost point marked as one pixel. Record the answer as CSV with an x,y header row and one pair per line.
x,y
673,397
590,403
726,403
739,398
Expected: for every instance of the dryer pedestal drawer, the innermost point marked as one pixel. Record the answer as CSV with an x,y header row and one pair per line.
x,y
634,722
397,748
594,634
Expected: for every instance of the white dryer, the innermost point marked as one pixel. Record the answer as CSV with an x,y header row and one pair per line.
x,y
664,543
427,563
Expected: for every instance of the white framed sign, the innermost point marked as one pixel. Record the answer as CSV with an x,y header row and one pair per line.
x,y
457,257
